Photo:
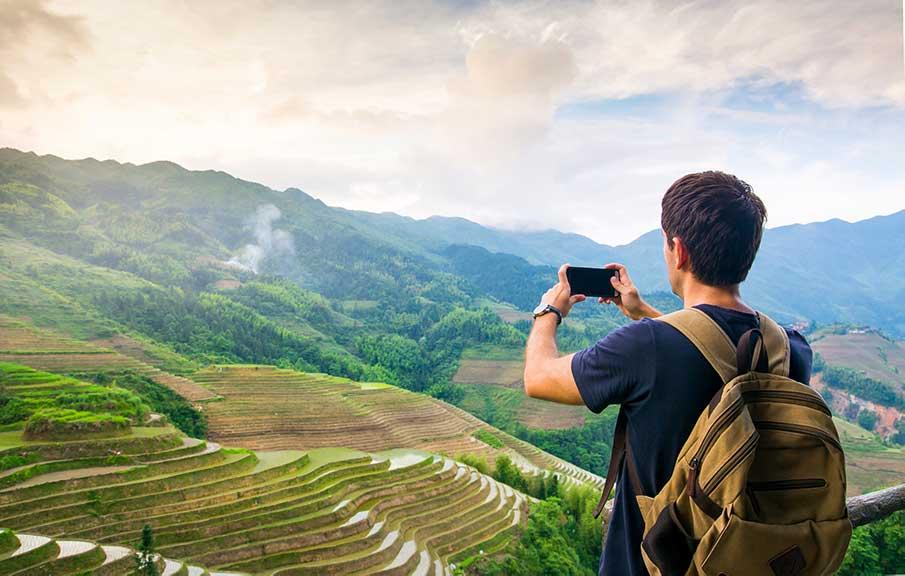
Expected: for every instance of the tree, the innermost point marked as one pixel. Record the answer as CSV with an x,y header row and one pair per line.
x,y
862,558
867,419
145,560
899,436
507,473
547,546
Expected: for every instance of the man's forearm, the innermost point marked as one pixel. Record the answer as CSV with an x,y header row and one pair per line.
x,y
541,344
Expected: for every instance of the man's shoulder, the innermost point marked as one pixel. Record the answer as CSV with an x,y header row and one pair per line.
x,y
636,332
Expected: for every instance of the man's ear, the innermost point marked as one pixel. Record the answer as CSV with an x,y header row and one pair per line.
x,y
681,253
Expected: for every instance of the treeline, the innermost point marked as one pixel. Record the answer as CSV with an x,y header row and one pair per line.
x,y
269,324
213,328
429,363
561,535
587,446
860,385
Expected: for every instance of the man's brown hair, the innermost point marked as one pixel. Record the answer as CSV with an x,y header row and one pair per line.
x,y
719,220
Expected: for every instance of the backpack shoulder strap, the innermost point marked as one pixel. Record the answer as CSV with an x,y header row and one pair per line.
x,y
776,341
708,337
620,453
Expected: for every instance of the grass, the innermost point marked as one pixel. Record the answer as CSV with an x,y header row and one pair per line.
x,y
66,424
869,464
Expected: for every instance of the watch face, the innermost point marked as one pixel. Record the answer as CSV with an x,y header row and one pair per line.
x,y
540,309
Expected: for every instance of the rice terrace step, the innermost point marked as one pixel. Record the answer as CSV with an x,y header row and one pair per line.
x,y
302,473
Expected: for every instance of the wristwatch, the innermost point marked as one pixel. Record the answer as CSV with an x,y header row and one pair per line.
x,y
545,308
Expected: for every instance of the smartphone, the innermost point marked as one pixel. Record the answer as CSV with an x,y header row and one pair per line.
x,y
591,281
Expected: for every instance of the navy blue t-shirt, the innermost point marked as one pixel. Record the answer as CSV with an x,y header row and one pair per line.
x,y
663,384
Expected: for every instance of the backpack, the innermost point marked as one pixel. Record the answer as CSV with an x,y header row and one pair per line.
x,y
759,485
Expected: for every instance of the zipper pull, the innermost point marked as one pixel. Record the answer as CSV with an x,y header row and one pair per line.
x,y
692,476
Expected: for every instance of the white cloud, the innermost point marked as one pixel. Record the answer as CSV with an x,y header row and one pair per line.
x,y
429,108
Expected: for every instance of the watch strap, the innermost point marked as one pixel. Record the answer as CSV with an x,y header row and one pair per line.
x,y
551,308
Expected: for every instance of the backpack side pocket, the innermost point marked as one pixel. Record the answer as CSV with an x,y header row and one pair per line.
x,y
668,545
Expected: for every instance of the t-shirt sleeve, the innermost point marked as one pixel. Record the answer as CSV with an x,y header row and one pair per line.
x,y
618,368
802,358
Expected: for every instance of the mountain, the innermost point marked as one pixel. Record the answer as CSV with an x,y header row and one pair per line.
x,y
167,223
828,272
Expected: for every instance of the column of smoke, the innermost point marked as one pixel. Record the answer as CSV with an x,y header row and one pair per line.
x,y
268,242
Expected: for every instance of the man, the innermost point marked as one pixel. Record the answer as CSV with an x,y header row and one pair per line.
x,y
712,226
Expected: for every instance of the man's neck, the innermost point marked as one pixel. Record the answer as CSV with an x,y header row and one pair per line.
x,y
722,296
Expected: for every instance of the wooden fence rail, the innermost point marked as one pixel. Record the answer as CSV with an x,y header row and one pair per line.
x,y
862,509
875,506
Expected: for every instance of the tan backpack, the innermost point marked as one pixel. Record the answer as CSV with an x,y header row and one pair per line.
x,y
759,485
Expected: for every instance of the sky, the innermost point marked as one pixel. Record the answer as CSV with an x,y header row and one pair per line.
x,y
571,115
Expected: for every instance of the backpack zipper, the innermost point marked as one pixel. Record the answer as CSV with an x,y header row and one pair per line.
x,y
790,484
774,485
800,398
731,464
722,422
799,429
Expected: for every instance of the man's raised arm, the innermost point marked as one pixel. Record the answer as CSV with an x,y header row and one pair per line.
x,y
548,375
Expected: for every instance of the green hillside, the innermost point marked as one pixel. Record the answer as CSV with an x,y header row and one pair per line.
x,y
277,386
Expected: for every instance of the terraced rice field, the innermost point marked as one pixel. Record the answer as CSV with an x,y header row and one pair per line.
x,y
509,404
502,371
52,352
268,408
869,465
325,511
507,373
869,353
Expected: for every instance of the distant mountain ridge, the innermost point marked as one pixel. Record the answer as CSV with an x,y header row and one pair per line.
x,y
832,271
829,272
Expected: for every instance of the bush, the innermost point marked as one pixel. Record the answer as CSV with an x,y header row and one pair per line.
x,y
477,462
64,424
877,548
488,438
448,392
506,472
561,537
163,400
100,399
863,386
13,410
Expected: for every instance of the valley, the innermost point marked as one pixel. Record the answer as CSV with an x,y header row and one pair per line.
x,y
277,386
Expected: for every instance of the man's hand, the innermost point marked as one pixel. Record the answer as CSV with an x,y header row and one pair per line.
x,y
560,295
628,299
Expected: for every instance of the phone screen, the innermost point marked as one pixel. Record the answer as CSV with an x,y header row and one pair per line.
x,y
591,281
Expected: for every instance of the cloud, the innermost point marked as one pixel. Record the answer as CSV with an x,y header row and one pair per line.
x,y
573,114
9,93
35,43
28,19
